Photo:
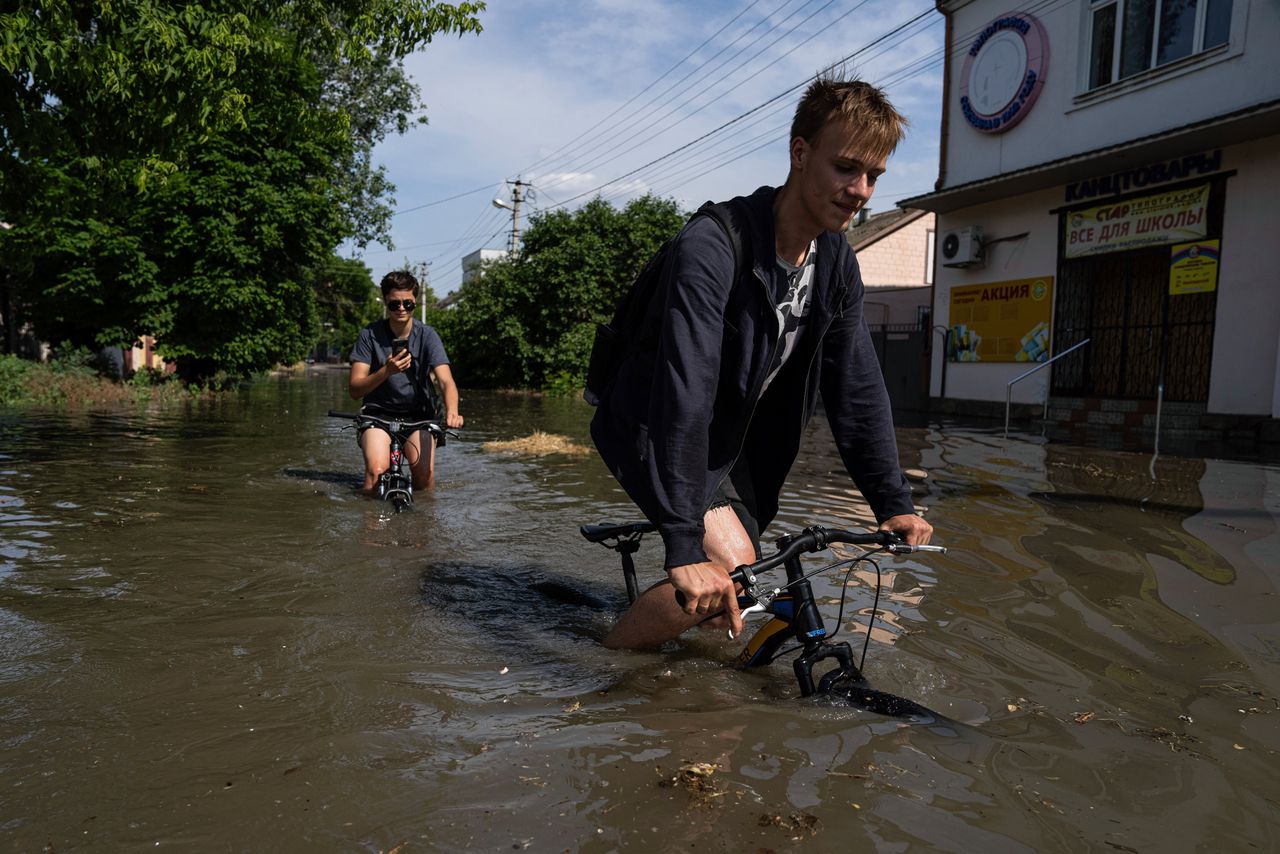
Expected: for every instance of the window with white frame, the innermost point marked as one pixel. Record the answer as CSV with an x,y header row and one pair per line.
x,y
1131,36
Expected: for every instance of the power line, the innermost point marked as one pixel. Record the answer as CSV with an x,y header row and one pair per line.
x,y
441,201
687,101
645,110
745,115
655,82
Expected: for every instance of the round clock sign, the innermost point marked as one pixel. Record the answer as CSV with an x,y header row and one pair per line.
x,y
1004,72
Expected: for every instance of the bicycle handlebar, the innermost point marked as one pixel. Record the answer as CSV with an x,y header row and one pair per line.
x,y
815,539
434,426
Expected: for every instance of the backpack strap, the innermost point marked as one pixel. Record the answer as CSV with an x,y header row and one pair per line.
x,y
732,221
624,334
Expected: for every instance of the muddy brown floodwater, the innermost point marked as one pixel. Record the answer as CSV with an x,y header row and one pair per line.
x,y
208,642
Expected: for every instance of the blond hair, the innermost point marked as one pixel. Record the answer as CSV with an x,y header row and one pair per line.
x,y
864,108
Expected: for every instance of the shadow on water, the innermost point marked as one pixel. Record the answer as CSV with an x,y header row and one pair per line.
x,y
521,605
348,479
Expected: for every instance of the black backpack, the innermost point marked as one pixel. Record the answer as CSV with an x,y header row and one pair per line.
x,y
625,333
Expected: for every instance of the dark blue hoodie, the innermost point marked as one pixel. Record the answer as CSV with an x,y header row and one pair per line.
x,y
681,413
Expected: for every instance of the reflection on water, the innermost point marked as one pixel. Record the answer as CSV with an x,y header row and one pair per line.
x,y
208,639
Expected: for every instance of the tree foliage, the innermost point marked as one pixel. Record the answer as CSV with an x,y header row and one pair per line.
x,y
529,322
186,170
347,300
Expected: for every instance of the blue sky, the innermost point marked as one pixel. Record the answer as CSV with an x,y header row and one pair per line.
x,y
572,97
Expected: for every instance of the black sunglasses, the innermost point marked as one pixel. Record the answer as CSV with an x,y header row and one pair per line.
x,y
395,304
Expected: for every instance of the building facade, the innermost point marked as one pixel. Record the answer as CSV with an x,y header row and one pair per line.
x,y
895,256
1108,175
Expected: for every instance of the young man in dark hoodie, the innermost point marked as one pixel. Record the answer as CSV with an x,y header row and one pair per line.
x,y
702,430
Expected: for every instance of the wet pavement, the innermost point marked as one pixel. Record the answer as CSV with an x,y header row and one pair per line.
x,y
209,641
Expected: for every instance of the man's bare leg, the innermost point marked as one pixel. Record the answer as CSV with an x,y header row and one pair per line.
x,y
655,617
375,444
422,466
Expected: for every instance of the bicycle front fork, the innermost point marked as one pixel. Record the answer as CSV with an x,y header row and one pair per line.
x,y
808,628
845,669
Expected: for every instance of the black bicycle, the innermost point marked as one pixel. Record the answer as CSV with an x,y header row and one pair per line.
x,y
793,610
396,483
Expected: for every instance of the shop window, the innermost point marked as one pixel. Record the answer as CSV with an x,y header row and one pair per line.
x,y
1128,37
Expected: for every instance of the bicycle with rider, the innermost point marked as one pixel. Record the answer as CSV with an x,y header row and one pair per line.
x,y
396,364
702,430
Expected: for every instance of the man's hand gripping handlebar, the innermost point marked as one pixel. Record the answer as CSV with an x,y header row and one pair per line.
x,y
754,600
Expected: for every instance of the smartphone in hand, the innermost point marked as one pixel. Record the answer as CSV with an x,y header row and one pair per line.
x,y
399,345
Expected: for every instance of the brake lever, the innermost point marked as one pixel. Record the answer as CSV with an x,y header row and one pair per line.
x,y
905,549
762,603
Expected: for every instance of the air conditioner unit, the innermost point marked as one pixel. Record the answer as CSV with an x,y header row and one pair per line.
x,y
962,247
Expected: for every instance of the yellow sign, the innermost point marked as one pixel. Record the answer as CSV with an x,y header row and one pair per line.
x,y
1001,321
1145,221
1193,267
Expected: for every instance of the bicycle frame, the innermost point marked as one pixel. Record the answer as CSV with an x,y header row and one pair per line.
x,y
794,612
396,483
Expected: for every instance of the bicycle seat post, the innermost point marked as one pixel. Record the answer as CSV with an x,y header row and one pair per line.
x,y
627,548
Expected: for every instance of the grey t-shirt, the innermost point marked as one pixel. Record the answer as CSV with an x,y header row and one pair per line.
x,y
397,394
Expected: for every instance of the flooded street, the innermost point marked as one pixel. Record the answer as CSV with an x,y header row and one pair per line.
x,y
209,642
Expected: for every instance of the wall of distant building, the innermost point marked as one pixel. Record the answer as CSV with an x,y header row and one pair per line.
x,y
901,257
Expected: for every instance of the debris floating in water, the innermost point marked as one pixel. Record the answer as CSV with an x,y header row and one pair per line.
x,y
801,824
698,779
537,444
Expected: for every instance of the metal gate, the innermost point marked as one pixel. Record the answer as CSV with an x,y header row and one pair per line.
x,y
901,349
1138,331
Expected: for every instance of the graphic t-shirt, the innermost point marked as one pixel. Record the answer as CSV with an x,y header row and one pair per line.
x,y
397,395
792,306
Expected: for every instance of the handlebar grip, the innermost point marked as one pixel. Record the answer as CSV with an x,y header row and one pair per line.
x,y
743,601
738,576
334,413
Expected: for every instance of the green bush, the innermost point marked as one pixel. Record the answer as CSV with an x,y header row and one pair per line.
x,y
14,376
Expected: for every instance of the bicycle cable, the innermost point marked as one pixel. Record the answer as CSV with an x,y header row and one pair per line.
x,y
844,593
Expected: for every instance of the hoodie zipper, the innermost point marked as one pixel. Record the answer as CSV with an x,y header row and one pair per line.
x,y
773,351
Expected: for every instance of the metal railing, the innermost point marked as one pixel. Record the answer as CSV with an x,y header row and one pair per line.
x,y
1008,389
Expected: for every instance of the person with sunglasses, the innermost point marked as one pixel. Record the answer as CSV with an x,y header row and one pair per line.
x,y
399,382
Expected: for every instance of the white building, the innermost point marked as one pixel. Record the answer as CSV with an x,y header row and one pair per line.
x,y
1109,171
472,261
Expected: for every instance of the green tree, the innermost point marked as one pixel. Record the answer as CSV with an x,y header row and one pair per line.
x,y
529,322
181,169
347,300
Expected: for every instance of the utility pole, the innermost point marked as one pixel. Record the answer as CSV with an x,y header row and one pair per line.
x,y
517,185
423,268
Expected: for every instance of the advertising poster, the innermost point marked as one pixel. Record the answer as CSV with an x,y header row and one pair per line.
x,y
1173,217
1193,267
1001,321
